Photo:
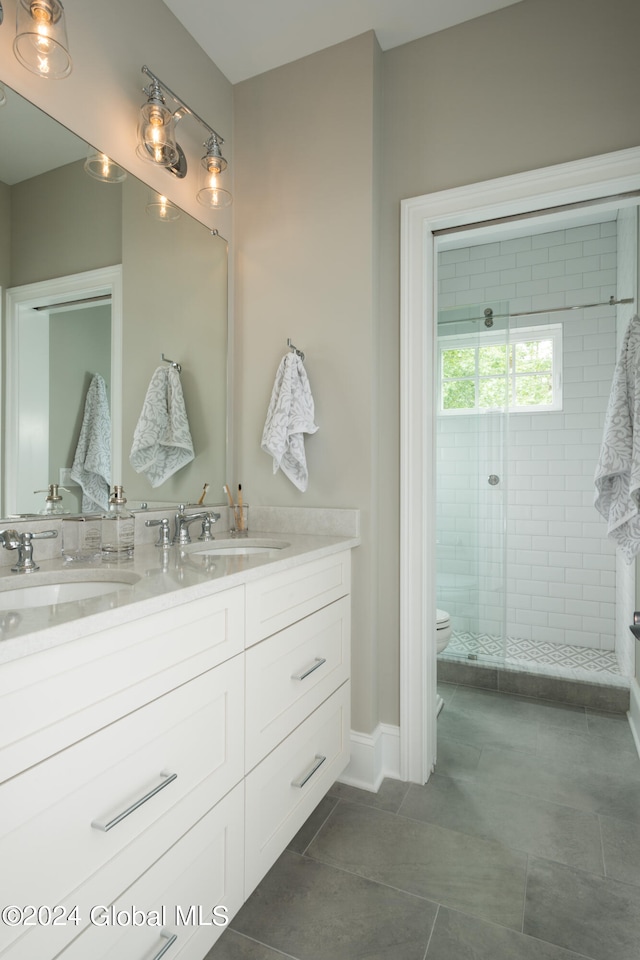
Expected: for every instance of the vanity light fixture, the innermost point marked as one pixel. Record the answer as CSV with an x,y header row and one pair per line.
x,y
160,208
41,38
157,128
212,164
99,166
157,143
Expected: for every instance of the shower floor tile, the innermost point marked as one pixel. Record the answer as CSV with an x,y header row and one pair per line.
x,y
532,654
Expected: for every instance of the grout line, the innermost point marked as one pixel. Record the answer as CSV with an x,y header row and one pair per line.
x,y
604,859
328,816
524,898
435,920
268,946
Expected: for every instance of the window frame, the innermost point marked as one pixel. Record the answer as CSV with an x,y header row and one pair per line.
x,y
547,331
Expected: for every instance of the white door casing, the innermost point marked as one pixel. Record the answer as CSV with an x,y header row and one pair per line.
x,y
546,189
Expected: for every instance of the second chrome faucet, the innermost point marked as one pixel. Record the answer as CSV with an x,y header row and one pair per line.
x,y
183,520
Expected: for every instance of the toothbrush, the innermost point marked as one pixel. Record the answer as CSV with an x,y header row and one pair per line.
x,y
203,494
240,510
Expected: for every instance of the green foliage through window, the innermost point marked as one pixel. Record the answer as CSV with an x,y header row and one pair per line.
x,y
522,374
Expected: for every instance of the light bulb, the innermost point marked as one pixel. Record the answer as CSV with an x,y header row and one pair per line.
x,y
156,136
213,164
211,195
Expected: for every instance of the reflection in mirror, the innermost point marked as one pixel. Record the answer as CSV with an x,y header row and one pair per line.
x,y
58,224
60,333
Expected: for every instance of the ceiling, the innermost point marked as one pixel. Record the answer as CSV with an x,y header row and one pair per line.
x,y
248,37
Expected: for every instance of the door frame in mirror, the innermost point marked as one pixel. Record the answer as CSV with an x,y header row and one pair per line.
x,y
92,283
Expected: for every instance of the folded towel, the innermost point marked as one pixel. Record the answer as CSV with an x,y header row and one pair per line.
x,y
161,441
617,477
91,467
290,415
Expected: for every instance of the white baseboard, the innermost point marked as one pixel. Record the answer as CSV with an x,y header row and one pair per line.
x,y
374,756
634,712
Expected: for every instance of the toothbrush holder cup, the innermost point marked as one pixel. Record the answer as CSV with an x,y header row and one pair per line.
x,y
239,517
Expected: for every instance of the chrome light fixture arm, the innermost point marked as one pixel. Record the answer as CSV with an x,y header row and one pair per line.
x,y
157,141
182,106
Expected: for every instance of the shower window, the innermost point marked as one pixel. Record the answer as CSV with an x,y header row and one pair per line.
x,y
522,375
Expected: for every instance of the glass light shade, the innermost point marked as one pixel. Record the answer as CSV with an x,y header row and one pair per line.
x,y
213,161
41,38
211,193
162,209
156,134
101,167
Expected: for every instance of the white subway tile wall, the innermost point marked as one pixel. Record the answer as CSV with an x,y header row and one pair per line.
x,y
556,581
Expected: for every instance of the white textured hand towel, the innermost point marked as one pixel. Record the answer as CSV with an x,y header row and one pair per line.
x,y
162,441
290,415
617,476
91,467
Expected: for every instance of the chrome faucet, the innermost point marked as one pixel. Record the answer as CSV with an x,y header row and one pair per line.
x,y
209,519
9,539
181,532
22,542
164,539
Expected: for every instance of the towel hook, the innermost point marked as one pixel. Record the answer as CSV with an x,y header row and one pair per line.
x,y
295,349
173,363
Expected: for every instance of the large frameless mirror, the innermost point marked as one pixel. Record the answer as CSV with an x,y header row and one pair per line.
x,y
97,279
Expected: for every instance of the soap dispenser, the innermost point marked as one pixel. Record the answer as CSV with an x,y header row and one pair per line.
x,y
118,527
53,501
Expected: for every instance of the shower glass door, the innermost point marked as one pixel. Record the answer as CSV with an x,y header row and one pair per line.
x,y
473,387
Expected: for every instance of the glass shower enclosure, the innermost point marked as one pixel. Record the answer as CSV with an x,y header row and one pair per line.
x,y
474,381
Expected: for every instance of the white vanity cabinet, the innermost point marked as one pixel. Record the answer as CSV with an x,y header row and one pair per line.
x,y
129,737
298,701
151,772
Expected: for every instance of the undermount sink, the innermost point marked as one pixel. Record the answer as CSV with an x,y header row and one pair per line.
x,y
62,586
226,548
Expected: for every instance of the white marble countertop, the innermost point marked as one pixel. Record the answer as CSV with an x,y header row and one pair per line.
x,y
167,577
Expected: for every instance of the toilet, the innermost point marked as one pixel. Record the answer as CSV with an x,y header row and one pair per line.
x,y
443,630
443,635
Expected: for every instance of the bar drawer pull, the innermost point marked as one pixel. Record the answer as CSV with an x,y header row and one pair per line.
x,y
111,821
305,673
307,776
171,939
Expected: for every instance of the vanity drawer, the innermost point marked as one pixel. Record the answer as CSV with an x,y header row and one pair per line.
x,y
293,672
55,697
204,869
63,810
283,790
279,600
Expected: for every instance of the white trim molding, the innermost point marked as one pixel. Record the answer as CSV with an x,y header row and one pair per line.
x,y
537,192
374,756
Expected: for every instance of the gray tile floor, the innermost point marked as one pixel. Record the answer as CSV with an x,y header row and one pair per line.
x,y
525,845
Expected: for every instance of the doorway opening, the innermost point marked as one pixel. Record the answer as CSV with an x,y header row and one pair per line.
x,y
536,196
